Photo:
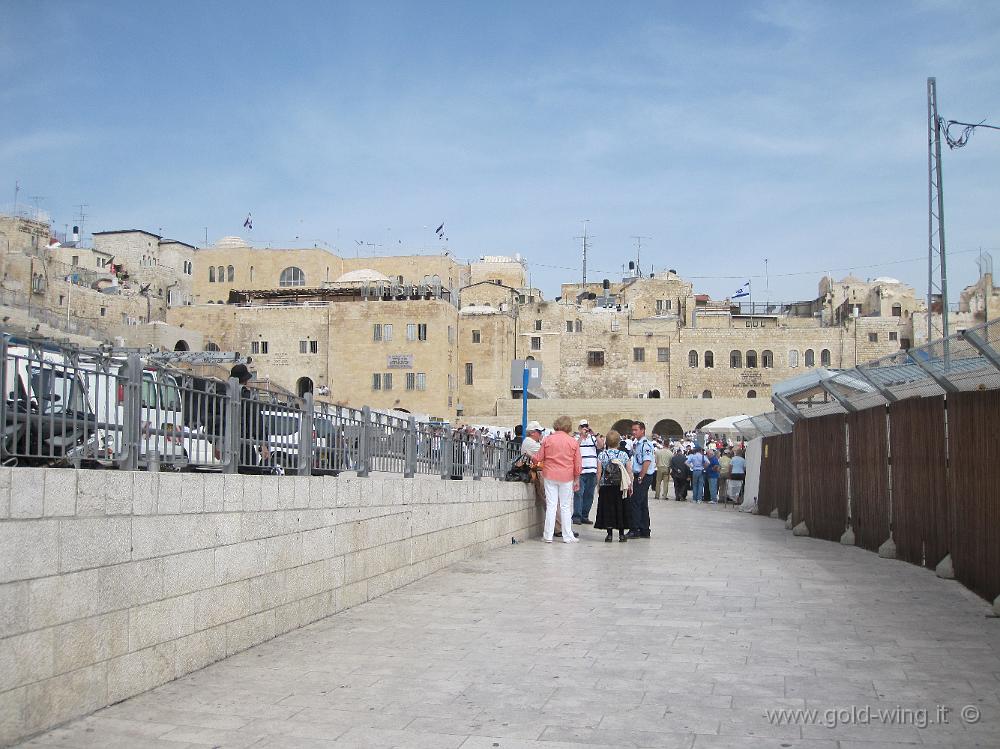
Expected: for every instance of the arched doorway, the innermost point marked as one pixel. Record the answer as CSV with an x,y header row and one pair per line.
x,y
654,394
303,386
181,345
211,346
668,428
623,427
702,423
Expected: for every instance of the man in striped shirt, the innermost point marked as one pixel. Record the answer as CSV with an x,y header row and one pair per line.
x,y
583,500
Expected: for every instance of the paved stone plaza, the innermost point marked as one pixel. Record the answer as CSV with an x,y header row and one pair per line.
x,y
684,640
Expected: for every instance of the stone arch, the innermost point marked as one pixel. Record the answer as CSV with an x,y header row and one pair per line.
x,y
304,385
702,423
623,427
181,345
211,346
668,428
654,393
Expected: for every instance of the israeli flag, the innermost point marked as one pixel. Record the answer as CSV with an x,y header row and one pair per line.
x,y
742,291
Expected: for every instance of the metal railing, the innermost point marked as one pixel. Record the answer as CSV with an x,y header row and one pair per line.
x,y
63,405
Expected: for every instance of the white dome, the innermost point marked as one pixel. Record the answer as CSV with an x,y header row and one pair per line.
x,y
231,242
361,275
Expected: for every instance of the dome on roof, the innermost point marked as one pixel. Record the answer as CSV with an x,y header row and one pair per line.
x,y
361,275
231,242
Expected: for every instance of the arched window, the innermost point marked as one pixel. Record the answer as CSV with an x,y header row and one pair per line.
x,y
230,273
579,326
793,358
709,360
810,358
766,359
751,393
692,358
706,394
824,357
251,274
897,310
292,276
211,274
209,346
751,360
735,360
220,273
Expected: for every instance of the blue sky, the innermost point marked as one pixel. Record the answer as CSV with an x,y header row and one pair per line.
x,y
728,131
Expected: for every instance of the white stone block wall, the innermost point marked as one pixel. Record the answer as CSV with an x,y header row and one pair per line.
x,y
112,583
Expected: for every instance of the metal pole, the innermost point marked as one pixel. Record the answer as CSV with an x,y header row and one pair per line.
x,y
231,429
307,448
132,413
364,442
935,217
410,448
525,377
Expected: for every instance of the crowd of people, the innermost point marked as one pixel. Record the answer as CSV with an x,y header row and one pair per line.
x,y
570,467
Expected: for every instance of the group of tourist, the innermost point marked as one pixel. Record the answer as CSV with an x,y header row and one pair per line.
x,y
569,466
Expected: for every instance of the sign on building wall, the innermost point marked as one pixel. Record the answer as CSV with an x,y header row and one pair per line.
x,y
400,361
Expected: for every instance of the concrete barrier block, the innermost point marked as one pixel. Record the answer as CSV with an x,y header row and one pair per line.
x,y
168,493
269,488
233,486
88,641
94,542
160,621
888,549
5,480
27,493
28,549
134,673
193,493
200,649
60,492
64,697
188,572
129,584
145,488
27,657
249,631
215,492
221,605
13,608
945,569
319,543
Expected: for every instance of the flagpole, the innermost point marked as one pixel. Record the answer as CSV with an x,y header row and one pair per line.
x,y
750,289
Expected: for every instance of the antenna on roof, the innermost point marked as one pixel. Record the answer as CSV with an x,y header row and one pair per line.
x,y
638,249
585,237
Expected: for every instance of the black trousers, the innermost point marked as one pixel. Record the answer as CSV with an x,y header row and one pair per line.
x,y
640,503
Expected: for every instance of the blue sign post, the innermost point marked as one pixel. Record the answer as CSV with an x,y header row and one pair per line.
x,y
524,399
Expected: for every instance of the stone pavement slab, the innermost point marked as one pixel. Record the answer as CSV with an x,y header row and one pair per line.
x,y
689,640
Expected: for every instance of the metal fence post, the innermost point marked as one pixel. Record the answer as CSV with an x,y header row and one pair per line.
x,y
364,442
308,447
410,447
232,426
447,453
478,457
132,413
3,403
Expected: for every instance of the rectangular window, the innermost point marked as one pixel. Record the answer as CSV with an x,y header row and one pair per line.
x,y
536,343
303,346
61,298
411,381
104,311
595,358
477,336
904,343
638,354
422,331
254,347
893,335
377,381
263,347
76,260
468,373
569,326
615,326
662,354
387,381
411,332
387,332
873,337
421,381
377,332
451,382
313,347
538,324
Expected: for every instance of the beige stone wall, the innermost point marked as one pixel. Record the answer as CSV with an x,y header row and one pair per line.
x,y
112,582
486,341
506,272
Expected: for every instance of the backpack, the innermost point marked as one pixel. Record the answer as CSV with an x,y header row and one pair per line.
x,y
612,475
520,470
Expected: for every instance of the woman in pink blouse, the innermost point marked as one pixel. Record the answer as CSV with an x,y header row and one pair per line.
x,y
560,461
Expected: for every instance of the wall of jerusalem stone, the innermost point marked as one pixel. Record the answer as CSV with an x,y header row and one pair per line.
x,y
112,582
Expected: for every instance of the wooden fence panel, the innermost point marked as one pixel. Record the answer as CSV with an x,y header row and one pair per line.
x,y
921,522
869,471
820,468
974,489
775,475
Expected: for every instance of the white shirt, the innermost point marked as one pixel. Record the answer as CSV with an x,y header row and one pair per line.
x,y
588,454
530,446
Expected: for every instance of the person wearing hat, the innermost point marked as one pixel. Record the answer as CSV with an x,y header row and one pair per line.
x,y
583,498
254,434
531,444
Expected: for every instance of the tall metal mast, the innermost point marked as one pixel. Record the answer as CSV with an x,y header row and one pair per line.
x,y
638,249
936,260
586,237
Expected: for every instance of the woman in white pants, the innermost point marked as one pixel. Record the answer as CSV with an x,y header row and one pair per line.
x,y
561,464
